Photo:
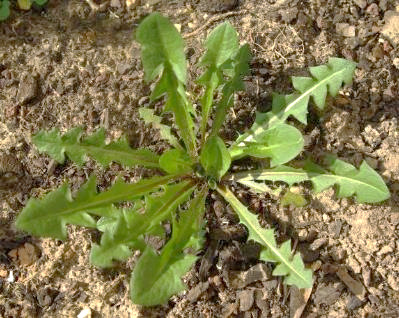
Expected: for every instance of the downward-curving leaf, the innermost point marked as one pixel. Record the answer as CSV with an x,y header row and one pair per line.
x,y
124,230
281,144
165,131
162,53
50,215
326,78
78,149
288,265
156,277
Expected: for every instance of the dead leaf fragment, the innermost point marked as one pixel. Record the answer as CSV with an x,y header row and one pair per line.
x,y
354,286
298,300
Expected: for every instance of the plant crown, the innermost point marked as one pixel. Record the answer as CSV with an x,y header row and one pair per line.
x,y
191,167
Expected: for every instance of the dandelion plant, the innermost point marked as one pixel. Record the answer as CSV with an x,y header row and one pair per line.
x,y
197,162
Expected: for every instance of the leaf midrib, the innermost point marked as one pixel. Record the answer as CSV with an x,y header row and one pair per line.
x,y
233,200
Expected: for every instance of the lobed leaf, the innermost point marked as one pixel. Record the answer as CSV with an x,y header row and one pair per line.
x,y
50,215
165,131
281,144
326,78
288,265
364,183
156,277
162,53
78,149
124,230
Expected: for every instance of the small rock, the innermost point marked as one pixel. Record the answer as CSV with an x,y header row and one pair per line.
x,y
196,292
391,27
372,9
326,294
385,250
85,313
246,299
354,303
25,255
308,254
28,89
3,273
261,302
393,282
361,3
258,272
115,4
298,300
318,243
345,29
366,274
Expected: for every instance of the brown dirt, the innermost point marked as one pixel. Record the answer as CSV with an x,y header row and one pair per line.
x,y
68,65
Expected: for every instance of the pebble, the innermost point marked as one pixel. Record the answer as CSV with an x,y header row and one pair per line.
x,y
361,3
391,27
27,89
196,292
85,313
246,298
393,282
372,9
345,29
318,243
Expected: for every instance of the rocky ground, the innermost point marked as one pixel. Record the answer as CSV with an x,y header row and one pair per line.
x,y
76,63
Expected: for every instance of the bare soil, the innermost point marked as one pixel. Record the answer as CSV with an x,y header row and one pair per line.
x,y
70,64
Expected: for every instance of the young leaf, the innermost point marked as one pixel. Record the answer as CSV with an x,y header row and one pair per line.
x,y
24,4
364,183
327,78
125,230
281,143
162,53
221,44
48,216
78,149
240,69
165,131
4,9
292,198
288,265
175,161
215,158
156,277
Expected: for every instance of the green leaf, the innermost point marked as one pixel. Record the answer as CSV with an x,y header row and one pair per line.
x,y
124,231
364,183
215,158
288,265
24,4
40,2
48,216
156,277
280,173
281,143
165,131
234,84
221,44
326,78
175,161
4,10
78,148
292,198
162,53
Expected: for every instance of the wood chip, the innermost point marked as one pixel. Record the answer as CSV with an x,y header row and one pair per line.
x,y
354,285
246,299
